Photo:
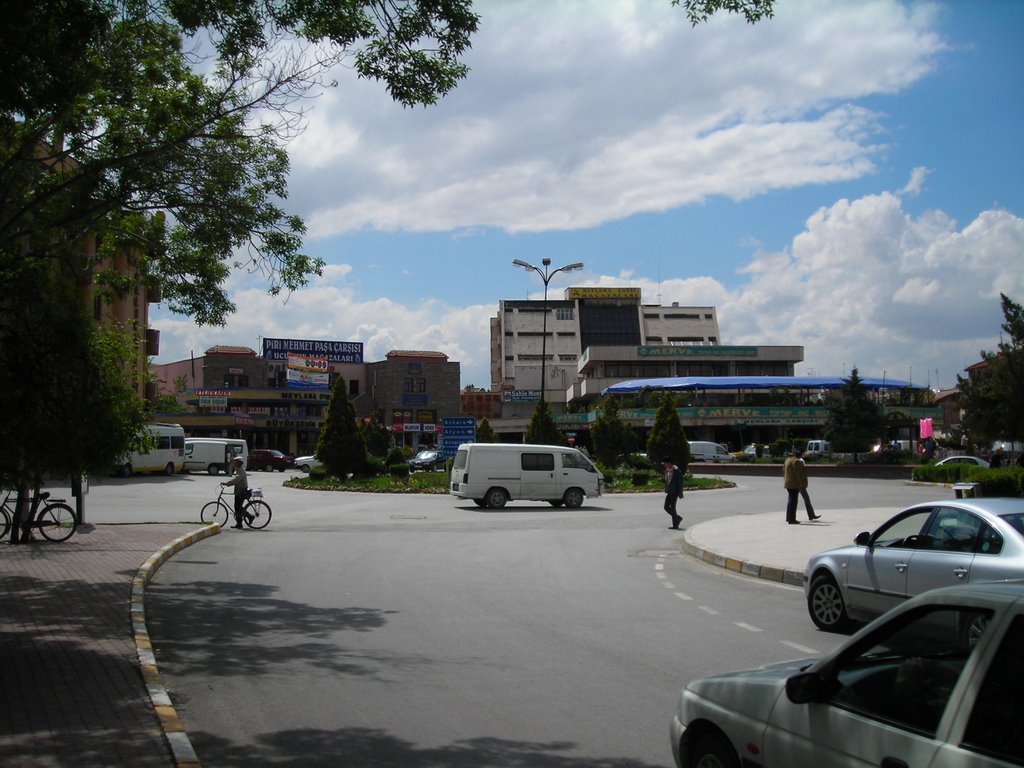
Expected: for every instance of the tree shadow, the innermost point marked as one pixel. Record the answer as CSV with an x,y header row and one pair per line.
x,y
373,748
230,629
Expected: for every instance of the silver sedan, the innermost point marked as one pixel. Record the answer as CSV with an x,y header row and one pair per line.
x,y
929,545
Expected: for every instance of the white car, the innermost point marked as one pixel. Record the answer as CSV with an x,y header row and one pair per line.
x,y
973,460
306,463
935,683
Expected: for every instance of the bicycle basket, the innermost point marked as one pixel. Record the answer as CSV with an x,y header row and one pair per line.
x,y
256,493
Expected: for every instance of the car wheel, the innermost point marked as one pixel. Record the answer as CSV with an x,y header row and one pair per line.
x,y
281,469
713,751
826,605
480,503
555,502
305,468
169,469
573,498
213,469
496,498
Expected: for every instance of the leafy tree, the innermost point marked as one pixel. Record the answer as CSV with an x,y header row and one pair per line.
x,y
667,436
992,395
611,438
541,429
156,128
485,433
698,11
376,436
340,445
854,420
82,412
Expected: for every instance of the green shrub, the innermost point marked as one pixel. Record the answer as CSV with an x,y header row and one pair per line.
x,y
399,471
640,478
781,447
395,456
1007,481
317,473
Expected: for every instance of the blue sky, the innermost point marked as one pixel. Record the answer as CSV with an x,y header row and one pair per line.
x,y
845,177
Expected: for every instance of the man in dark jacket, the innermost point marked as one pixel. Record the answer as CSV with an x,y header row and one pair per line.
x,y
673,490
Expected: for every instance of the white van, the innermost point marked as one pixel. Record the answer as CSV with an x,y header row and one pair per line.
x,y
701,450
492,474
818,448
213,454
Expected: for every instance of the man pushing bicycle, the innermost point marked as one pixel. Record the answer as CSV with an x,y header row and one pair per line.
x,y
240,482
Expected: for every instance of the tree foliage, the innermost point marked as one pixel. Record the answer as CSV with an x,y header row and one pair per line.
x,y
340,445
667,437
156,128
699,11
542,430
853,421
485,432
611,438
992,395
376,435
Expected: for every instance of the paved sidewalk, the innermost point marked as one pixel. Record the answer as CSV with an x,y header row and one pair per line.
x,y
71,688
766,547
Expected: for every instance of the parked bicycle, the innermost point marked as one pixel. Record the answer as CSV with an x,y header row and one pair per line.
x,y
55,519
256,512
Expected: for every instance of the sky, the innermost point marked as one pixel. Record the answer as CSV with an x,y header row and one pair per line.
x,y
846,177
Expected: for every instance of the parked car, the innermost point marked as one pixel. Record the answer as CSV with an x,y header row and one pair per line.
x,y
962,460
934,684
306,463
269,459
427,459
928,545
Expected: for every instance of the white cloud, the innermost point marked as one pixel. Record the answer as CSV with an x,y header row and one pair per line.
x,y
577,113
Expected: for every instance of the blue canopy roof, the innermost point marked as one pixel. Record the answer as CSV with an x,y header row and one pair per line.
x,y
753,382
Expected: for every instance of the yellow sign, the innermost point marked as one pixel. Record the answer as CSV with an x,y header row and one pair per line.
x,y
602,293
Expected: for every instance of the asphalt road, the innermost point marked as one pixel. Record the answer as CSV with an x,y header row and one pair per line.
x,y
383,630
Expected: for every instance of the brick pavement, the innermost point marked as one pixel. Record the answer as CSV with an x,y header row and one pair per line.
x,y
71,689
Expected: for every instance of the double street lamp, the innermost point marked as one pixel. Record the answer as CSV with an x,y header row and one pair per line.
x,y
545,274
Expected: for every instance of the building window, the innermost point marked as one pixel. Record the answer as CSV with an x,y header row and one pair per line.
x,y
565,313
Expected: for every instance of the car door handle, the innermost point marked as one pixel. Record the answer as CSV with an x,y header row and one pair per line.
x,y
960,573
901,567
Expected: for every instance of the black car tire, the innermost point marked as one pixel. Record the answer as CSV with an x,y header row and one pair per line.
x,y
826,605
496,498
573,498
713,751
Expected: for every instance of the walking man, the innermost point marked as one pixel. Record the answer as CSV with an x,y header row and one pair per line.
x,y
794,478
673,491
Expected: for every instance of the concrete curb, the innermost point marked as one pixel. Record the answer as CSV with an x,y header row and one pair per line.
x,y
181,748
745,567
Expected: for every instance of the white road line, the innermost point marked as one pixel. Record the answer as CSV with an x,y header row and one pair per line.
x,y
660,575
682,596
709,609
801,648
748,627
669,585
659,566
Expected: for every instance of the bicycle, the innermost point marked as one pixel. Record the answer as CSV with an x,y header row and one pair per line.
x,y
56,520
256,512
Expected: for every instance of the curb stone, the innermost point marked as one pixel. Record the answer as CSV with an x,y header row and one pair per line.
x,y
744,567
183,753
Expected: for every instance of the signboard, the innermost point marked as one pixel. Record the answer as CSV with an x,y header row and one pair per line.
x,y
219,403
670,350
520,396
335,351
602,293
456,431
308,372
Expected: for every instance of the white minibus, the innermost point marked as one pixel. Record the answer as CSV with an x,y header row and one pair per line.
x,y
167,456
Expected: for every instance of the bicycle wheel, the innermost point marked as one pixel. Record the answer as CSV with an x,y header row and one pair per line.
x,y
215,512
57,521
257,514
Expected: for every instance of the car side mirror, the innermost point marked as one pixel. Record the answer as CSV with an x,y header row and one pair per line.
x,y
863,539
806,688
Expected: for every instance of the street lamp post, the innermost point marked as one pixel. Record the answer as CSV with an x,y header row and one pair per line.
x,y
545,274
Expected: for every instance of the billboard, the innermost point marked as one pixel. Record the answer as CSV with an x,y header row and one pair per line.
x,y
308,372
334,351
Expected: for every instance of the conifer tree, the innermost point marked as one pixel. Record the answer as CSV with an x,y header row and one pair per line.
x,y
854,420
485,432
340,446
542,429
667,437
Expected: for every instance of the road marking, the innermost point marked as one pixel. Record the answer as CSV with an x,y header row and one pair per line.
x,y
748,627
801,648
682,596
709,609
659,566
669,585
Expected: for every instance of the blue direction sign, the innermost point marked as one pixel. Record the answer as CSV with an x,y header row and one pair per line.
x,y
456,430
